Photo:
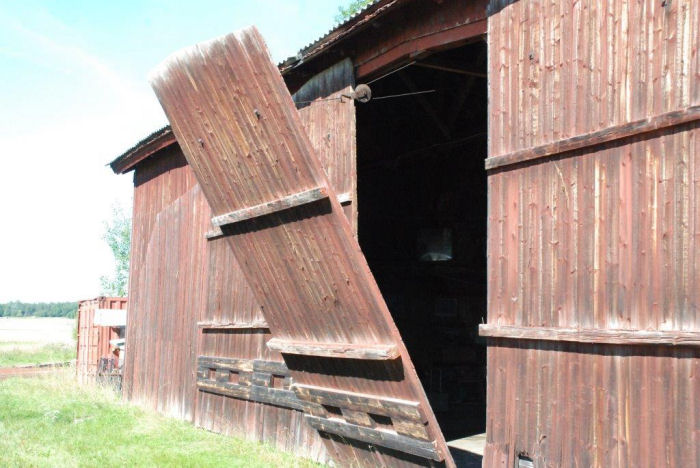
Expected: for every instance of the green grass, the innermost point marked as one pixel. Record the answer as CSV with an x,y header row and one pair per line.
x,y
51,422
14,353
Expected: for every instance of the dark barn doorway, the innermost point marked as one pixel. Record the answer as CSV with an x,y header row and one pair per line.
x,y
422,221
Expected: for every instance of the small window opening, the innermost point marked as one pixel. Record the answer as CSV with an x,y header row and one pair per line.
x,y
333,411
383,422
278,381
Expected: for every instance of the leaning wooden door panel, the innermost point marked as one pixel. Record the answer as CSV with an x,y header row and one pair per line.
x,y
240,131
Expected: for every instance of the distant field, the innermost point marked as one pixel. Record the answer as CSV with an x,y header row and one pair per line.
x,y
33,340
36,330
53,422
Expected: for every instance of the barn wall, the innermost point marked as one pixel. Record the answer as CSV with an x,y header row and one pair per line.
x,y
93,341
167,285
230,300
604,237
179,282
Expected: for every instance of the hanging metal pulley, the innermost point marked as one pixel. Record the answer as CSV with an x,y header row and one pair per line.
x,y
362,93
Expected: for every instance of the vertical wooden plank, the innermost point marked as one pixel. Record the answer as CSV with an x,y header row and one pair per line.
x,y
599,237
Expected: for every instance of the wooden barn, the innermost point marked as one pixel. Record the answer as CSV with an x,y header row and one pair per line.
x,y
469,217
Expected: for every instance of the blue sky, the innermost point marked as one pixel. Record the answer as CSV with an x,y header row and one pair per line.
x,y
73,95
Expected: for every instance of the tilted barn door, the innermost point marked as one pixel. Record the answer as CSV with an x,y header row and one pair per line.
x,y
594,234
242,135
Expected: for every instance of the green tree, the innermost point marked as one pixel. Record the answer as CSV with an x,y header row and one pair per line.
x,y
38,309
346,12
117,234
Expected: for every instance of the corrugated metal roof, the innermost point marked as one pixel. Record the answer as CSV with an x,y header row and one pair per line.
x,y
157,140
340,31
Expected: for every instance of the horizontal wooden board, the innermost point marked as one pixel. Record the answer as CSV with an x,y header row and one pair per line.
x,y
616,132
240,365
253,383
284,203
335,350
259,394
214,233
391,407
345,198
272,367
379,437
602,336
251,325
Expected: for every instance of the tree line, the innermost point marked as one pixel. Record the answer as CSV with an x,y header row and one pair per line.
x,y
38,309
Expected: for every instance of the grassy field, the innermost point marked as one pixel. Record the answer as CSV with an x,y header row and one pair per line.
x,y
31,340
53,422
16,353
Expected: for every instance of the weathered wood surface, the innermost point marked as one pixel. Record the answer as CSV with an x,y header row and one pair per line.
x,y
335,350
601,336
405,417
379,437
329,121
272,367
241,365
254,393
167,285
617,132
214,233
252,325
284,203
604,237
304,265
230,300
345,198
391,407
252,382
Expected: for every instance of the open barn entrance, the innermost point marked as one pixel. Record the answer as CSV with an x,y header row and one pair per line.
x,y
422,221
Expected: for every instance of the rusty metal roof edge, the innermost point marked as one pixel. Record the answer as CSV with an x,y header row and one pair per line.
x,y
164,137
340,31
157,140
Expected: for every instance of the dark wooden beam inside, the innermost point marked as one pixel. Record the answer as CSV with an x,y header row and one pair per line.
x,y
425,104
444,68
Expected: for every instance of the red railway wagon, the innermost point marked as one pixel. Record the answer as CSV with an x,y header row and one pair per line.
x,y
100,321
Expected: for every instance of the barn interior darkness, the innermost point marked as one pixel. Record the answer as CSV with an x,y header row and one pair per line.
x,y
422,221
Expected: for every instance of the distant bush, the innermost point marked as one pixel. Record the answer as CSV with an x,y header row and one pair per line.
x,y
38,309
